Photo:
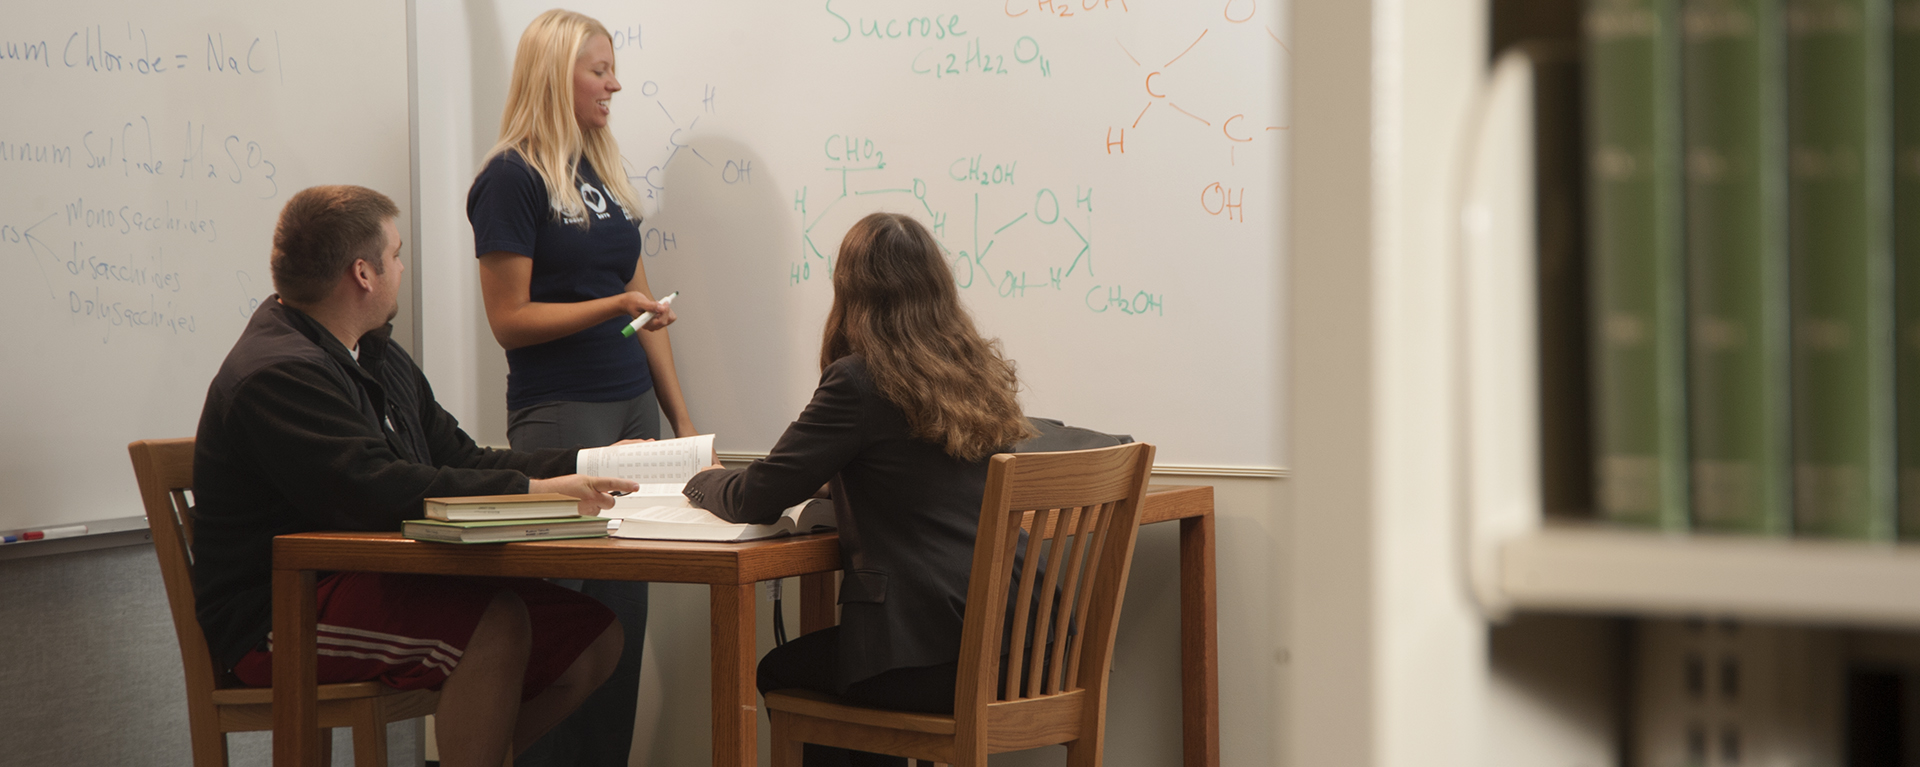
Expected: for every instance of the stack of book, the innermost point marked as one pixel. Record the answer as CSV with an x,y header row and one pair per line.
x,y
1754,264
502,518
656,510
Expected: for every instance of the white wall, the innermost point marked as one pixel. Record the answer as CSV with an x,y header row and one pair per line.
x,y
1429,61
1331,583
460,98
1391,656
1392,661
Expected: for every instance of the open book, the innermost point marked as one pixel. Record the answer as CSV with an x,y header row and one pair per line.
x,y
658,510
662,468
685,523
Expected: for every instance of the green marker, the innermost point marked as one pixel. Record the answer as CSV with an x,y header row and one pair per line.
x,y
634,326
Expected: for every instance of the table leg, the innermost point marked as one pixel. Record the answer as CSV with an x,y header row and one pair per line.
x,y
736,711
817,600
296,711
1199,645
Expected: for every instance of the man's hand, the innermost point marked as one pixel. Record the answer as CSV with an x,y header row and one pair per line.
x,y
592,491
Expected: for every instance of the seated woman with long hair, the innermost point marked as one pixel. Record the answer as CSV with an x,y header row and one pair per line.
x,y
911,403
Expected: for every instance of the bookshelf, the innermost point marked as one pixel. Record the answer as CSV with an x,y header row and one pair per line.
x,y
1525,551
1731,648
1421,361
1531,540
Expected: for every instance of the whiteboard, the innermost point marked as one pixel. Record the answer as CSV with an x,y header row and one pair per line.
x,y
146,150
1105,176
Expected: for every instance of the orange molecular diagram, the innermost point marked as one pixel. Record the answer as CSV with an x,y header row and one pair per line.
x,y
1185,93
1233,125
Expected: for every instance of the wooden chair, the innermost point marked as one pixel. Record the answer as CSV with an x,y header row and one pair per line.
x,y
216,704
1083,511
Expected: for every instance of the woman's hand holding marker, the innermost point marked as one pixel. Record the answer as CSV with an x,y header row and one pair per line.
x,y
653,319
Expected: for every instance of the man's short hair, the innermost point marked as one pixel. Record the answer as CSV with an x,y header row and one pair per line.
x,y
322,231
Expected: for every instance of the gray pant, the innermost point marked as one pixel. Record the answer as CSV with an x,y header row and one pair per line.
x,y
600,732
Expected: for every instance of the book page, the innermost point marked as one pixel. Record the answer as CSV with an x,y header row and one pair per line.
x,y
661,467
628,505
685,515
690,524
807,515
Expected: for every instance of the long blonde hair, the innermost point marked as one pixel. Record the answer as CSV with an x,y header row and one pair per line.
x,y
895,305
539,123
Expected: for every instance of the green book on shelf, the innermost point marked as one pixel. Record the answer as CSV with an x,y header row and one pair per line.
x,y
1906,255
1839,193
1637,274
1736,251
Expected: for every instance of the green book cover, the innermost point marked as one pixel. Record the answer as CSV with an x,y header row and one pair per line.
x,y
1906,254
1839,234
503,530
1738,376
1635,259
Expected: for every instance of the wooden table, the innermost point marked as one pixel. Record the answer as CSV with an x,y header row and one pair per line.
x,y
730,570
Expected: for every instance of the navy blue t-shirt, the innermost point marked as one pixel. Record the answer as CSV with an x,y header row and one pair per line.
x,y
509,211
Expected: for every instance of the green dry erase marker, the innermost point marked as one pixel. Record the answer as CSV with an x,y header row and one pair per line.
x,y
634,326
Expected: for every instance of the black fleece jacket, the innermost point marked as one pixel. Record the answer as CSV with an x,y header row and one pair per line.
x,y
298,436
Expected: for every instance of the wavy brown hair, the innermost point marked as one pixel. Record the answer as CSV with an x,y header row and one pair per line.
x,y
895,305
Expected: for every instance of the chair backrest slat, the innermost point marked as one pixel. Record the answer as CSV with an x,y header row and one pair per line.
x,y
182,514
1023,596
1076,561
1036,653
1100,524
1082,510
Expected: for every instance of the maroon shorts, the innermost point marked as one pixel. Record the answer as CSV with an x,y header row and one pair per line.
x,y
409,631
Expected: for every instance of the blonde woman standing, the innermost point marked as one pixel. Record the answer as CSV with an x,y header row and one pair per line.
x,y
555,226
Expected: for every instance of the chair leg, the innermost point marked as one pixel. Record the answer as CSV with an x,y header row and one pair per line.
x,y
326,745
369,736
209,748
786,751
1085,752
969,754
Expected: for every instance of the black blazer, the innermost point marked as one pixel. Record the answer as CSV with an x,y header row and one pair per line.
x,y
907,514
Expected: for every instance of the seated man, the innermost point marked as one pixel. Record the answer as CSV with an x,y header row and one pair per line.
x,y
318,421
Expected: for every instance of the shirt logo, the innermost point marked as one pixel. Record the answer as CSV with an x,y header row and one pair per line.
x,y
595,199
